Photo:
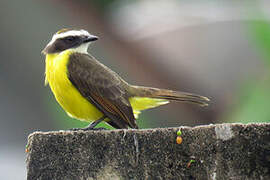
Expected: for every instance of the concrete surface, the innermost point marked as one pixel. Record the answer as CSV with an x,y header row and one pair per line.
x,y
222,151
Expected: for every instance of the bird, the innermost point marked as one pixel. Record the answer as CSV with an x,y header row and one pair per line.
x,y
90,91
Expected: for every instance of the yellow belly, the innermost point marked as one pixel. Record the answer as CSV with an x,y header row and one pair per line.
x,y
65,93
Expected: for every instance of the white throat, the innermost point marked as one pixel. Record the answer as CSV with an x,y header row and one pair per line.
x,y
81,49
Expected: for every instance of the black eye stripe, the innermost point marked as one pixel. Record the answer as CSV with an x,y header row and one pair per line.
x,y
64,43
70,38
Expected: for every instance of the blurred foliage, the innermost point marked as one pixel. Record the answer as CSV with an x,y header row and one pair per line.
x,y
254,95
103,5
254,101
260,34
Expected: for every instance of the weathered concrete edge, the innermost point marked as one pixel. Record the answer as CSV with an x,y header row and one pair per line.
x,y
222,125
222,133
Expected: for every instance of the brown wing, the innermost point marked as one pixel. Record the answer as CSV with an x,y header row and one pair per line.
x,y
103,88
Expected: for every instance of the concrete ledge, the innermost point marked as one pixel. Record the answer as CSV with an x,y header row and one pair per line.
x,y
223,151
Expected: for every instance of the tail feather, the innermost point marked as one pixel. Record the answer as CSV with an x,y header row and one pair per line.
x,y
171,95
182,96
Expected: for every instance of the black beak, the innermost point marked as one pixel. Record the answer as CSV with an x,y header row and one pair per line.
x,y
90,39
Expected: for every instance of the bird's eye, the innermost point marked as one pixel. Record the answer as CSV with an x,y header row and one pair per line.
x,y
70,39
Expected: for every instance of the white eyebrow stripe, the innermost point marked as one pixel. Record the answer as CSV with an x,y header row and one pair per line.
x,y
69,33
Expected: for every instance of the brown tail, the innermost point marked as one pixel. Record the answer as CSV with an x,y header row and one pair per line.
x,y
170,95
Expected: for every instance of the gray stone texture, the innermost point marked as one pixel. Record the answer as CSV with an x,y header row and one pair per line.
x,y
223,151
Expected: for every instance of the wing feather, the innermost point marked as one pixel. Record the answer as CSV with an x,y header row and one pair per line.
x,y
103,88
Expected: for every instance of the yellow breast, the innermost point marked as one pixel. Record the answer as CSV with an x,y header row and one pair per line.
x,y
65,93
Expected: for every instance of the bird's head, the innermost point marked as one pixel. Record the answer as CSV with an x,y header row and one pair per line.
x,y
78,40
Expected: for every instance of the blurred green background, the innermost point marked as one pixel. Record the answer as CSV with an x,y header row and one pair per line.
x,y
219,49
